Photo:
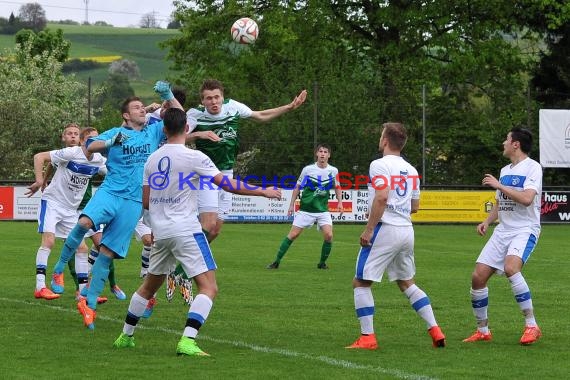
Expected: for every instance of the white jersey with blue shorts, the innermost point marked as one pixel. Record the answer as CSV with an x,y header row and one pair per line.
x,y
173,175
392,245
519,226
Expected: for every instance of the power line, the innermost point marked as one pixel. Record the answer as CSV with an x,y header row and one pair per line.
x,y
161,17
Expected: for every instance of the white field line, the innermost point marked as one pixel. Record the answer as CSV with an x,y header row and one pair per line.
x,y
268,350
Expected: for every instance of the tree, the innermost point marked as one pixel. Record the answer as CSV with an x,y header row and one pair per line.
x,y
111,94
149,20
36,102
366,62
33,16
125,67
45,40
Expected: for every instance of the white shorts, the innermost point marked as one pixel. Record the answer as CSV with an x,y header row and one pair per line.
x,y
91,232
502,243
215,199
392,251
141,229
192,251
56,219
305,219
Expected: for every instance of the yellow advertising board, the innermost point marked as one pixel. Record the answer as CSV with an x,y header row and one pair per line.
x,y
454,206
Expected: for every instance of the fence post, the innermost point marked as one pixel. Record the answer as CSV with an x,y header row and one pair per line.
x,y
423,135
315,112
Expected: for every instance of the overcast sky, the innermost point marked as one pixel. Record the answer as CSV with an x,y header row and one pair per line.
x,y
114,12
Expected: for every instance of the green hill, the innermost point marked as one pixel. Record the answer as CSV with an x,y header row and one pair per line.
x,y
105,44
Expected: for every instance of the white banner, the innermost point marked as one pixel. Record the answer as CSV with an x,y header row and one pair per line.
x,y
554,142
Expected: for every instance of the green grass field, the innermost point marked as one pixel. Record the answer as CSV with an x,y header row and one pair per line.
x,y
293,322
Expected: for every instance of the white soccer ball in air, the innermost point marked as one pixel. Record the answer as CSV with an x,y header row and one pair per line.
x,y
245,31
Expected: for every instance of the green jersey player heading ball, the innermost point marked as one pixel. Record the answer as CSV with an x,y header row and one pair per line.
x,y
215,126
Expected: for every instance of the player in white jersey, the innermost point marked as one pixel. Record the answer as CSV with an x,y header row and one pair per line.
x,y
215,127
315,182
60,200
387,243
517,207
171,178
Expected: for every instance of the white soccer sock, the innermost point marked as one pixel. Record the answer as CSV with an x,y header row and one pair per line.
x,y
134,313
421,304
523,297
197,315
364,306
479,303
81,269
41,265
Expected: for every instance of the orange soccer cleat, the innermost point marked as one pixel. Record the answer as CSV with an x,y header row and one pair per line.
x,y
365,342
46,294
478,335
530,335
437,336
87,313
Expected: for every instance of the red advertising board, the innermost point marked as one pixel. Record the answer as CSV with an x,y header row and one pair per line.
x,y
6,202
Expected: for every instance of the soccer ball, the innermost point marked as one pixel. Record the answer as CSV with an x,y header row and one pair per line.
x,y
245,31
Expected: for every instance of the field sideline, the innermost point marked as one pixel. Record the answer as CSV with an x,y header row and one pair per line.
x,y
293,322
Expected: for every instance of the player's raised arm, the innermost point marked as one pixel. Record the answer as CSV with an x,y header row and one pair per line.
x,y
39,161
272,113
163,89
243,188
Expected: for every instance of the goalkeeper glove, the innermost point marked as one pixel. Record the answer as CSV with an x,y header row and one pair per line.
x,y
163,89
117,139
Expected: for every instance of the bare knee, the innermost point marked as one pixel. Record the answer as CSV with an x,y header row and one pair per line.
x,y
85,222
358,283
405,284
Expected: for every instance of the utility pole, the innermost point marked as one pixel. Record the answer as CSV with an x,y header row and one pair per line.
x,y
86,11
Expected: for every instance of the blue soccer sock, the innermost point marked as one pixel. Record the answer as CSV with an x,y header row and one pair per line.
x,y
99,275
70,246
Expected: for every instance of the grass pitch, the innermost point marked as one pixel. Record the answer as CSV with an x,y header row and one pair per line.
x,y
293,322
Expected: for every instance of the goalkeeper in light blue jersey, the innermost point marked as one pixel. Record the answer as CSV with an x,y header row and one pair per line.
x,y
118,202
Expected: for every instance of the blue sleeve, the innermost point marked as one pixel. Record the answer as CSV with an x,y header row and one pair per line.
x,y
103,136
157,130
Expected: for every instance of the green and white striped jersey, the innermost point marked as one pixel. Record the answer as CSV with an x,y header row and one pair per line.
x,y
226,125
315,184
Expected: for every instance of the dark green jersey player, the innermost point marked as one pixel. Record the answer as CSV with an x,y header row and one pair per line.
x,y
314,185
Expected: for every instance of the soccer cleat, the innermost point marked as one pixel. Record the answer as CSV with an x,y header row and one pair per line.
x,y
119,294
79,296
530,335
143,272
322,266
188,346
87,313
437,336
149,308
186,290
57,283
124,341
365,342
46,294
273,265
478,335
171,282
